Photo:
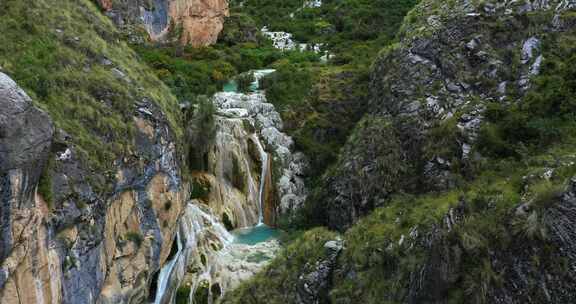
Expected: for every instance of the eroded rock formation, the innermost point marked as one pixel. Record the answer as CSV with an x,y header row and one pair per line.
x,y
447,67
194,22
286,192
63,241
27,261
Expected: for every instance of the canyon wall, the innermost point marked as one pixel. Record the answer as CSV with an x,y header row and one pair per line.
x,y
81,245
193,22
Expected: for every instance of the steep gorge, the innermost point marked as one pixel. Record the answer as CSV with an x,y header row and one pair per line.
x,y
450,189
457,186
96,197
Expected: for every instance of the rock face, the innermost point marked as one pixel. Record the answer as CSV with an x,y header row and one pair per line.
x,y
69,242
27,262
450,62
232,175
525,282
316,280
201,20
194,22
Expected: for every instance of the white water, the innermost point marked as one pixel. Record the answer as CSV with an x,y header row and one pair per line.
x,y
204,243
195,226
166,272
264,158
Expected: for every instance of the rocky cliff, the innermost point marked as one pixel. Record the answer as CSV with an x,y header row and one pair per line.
x,y
82,245
452,62
82,224
194,22
88,246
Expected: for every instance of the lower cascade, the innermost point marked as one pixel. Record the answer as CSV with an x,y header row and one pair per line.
x,y
239,193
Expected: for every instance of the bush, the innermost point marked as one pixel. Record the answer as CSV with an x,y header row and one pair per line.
x,y
288,86
183,295
134,237
45,183
245,81
200,132
199,190
543,117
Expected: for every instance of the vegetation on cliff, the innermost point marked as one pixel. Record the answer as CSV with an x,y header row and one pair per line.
x,y
489,224
72,62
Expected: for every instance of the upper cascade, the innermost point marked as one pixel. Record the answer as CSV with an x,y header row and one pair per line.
x,y
253,108
199,22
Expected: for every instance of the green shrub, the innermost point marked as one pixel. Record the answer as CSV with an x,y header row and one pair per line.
x,y
545,194
183,295
545,116
288,86
199,190
245,81
134,237
200,132
531,226
45,183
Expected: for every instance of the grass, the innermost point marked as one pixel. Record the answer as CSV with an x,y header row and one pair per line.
x,y
55,53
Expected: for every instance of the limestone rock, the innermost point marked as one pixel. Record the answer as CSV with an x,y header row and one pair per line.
x,y
27,262
82,245
198,22
447,67
315,282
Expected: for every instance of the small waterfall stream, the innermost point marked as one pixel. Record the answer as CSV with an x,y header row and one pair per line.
x,y
166,272
264,158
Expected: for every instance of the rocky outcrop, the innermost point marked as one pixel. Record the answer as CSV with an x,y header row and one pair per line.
x,y
67,241
451,61
201,20
316,280
232,176
194,22
524,281
27,262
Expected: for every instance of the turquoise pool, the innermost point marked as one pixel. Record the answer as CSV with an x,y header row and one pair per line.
x,y
255,235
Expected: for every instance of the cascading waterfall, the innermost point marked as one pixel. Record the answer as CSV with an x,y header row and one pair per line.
x,y
263,115
195,227
209,258
166,272
264,158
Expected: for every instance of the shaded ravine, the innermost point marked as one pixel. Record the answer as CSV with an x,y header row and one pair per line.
x,y
209,260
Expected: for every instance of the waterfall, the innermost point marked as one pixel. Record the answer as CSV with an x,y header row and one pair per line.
x,y
264,159
196,226
166,273
197,222
291,165
211,261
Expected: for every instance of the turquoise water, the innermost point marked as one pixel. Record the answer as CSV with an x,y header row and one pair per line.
x,y
231,86
255,235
